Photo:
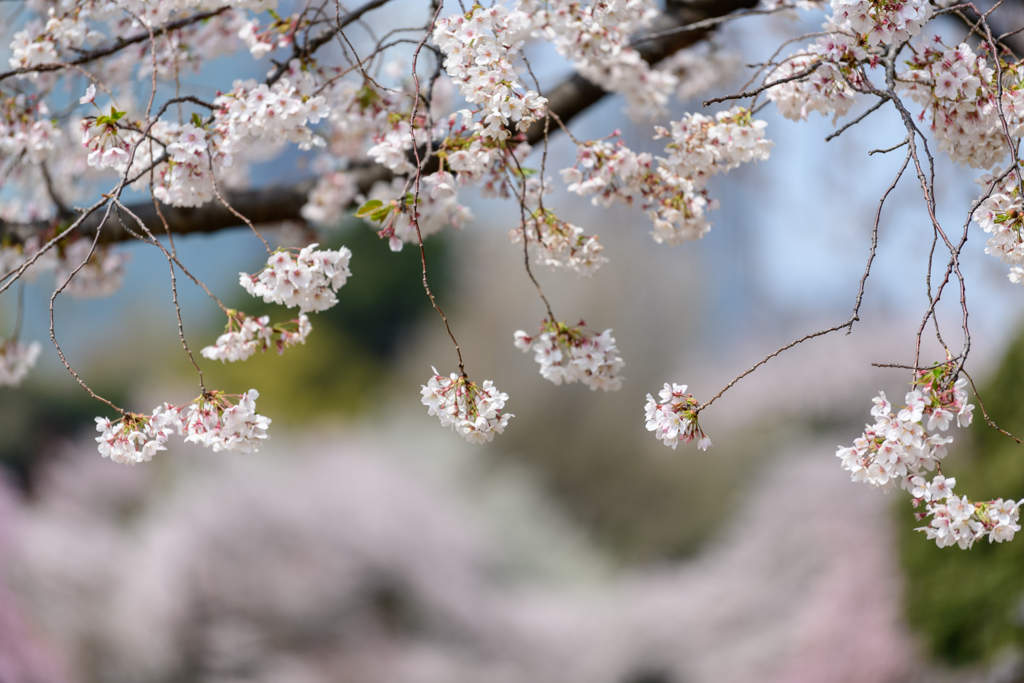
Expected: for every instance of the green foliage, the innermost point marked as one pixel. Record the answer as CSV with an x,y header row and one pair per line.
x,y
968,604
35,417
345,362
341,369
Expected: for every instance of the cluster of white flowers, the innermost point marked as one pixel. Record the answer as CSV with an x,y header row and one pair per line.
x,y
274,113
596,37
474,158
1002,216
475,412
674,418
106,140
957,520
40,43
902,447
886,22
672,194
438,208
187,178
702,146
834,59
213,420
359,112
153,13
246,335
25,128
27,51
260,42
957,88
330,197
308,280
16,359
136,438
572,354
558,244
480,47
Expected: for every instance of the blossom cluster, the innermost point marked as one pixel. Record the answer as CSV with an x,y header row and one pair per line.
x,y
558,244
329,198
672,192
246,335
674,417
187,178
308,280
906,444
25,128
1001,215
902,445
475,412
957,89
479,49
888,22
702,146
16,359
192,154
40,43
832,67
106,139
572,354
216,420
279,33
957,520
438,208
475,158
596,37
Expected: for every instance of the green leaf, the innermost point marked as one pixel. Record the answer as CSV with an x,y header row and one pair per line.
x,y
196,120
368,207
380,215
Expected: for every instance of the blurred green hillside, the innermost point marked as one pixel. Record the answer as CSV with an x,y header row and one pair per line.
x,y
338,372
968,605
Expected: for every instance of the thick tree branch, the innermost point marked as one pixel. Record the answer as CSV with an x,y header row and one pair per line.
x,y
118,45
281,203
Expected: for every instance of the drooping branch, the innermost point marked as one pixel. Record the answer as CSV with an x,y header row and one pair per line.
x,y
118,45
284,202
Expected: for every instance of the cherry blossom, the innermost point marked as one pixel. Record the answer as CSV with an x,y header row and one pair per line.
x,y
671,189
16,360
216,420
955,520
246,335
674,418
480,48
558,244
474,412
572,354
901,448
309,280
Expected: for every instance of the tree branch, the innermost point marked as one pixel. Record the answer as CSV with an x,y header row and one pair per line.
x,y
282,203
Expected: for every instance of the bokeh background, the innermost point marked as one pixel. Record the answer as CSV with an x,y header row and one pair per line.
x,y
366,543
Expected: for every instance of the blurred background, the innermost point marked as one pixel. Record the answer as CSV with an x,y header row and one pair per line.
x,y
365,543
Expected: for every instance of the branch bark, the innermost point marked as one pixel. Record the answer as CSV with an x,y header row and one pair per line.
x,y
284,202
